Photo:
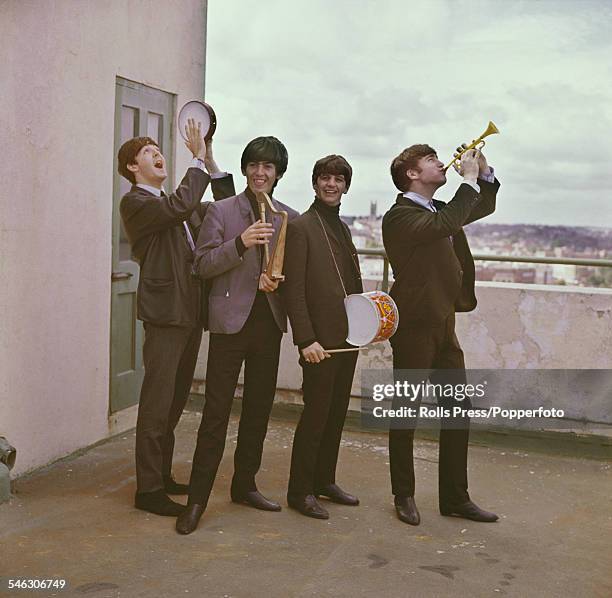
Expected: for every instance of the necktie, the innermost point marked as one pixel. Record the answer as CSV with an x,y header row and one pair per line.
x,y
189,236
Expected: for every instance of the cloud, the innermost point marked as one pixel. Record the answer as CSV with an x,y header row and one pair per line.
x,y
368,78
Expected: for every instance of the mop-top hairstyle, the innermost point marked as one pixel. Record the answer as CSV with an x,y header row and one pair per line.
x,y
332,164
265,149
127,155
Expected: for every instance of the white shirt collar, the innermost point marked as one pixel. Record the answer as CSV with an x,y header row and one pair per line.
x,y
422,201
150,189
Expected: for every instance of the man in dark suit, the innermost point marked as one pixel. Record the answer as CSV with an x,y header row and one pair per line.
x,y
160,229
434,278
246,322
321,268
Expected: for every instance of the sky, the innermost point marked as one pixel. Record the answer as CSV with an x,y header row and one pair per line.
x,y
368,78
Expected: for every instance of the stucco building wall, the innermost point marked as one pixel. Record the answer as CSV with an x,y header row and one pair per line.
x,y
57,72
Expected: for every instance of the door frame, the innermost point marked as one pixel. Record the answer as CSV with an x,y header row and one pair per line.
x,y
124,386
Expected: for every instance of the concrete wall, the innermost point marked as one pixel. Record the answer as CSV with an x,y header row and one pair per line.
x,y
57,73
514,327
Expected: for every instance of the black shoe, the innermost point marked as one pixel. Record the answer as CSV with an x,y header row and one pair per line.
x,y
157,502
336,494
173,487
406,510
188,520
468,510
307,505
255,499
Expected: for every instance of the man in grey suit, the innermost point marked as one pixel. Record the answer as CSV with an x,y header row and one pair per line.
x,y
246,322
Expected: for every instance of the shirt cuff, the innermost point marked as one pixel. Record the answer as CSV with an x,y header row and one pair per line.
x,y
489,177
197,163
473,185
240,246
218,175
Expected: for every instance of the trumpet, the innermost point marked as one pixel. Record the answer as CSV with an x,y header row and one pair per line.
x,y
476,144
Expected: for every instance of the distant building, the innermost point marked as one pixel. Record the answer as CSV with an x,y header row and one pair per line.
x,y
506,273
565,273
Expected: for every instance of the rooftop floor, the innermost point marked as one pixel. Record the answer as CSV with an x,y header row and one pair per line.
x,y
75,520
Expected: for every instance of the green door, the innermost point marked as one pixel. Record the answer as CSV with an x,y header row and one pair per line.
x,y
139,111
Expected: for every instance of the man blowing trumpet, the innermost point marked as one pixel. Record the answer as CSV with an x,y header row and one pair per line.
x,y
434,278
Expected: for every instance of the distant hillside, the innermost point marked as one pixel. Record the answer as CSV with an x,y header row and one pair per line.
x,y
578,238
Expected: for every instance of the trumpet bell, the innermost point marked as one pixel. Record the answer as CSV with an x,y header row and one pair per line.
x,y
477,143
491,130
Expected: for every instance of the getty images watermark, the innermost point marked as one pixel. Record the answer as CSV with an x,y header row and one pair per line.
x,y
457,393
525,399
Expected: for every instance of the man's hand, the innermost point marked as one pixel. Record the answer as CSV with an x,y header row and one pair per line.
x,y
257,234
209,161
267,284
483,166
195,141
468,167
314,353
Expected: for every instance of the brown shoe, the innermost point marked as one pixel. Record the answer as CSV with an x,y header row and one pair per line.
x,y
157,502
334,493
171,486
406,510
188,520
256,500
307,505
469,510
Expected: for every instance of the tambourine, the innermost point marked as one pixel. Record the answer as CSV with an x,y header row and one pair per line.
x,y
202,113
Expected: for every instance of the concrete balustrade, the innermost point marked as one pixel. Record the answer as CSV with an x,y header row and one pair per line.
x,y
514,327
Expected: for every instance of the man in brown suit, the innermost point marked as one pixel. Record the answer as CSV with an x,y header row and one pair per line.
x,y
321,268
434,278
161,230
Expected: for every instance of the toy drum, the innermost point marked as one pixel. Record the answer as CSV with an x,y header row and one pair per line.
x,y
372,317
202,113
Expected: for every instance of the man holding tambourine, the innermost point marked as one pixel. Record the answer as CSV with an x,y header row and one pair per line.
x,y
161,229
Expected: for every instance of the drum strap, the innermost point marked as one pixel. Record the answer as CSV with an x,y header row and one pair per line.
x,y
331,251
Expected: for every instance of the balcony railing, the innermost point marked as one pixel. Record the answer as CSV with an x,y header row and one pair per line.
x,y
565,261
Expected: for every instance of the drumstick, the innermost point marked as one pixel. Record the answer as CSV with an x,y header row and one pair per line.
x,y
344,350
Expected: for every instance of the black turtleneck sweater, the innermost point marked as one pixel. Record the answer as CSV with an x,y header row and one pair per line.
x,y
330,215
346,263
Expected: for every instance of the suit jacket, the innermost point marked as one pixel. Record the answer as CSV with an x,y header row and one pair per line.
x,y
430,256
234,278
168,292
312,292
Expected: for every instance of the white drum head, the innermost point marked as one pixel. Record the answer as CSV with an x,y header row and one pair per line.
x,y
363,320
201,112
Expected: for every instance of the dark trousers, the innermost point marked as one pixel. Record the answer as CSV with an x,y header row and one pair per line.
x,y
437,348
170,354
258,345
327,390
